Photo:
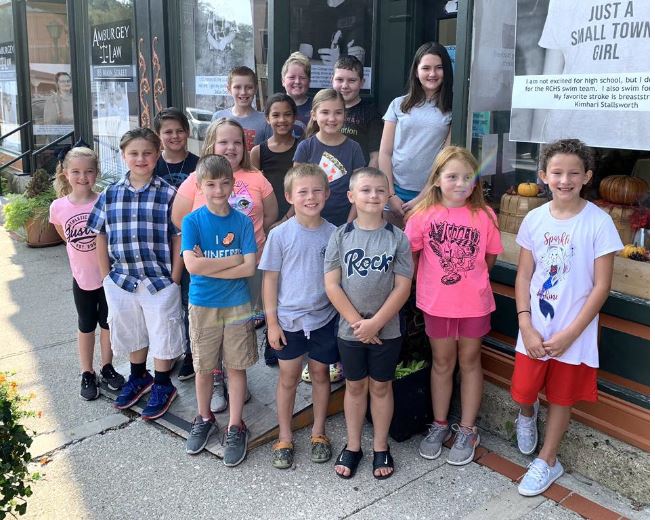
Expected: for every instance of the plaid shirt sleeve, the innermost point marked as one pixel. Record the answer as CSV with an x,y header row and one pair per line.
x,y
98,216
172,228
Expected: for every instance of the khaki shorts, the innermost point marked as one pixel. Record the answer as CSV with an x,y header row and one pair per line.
x,y
140,319
226,333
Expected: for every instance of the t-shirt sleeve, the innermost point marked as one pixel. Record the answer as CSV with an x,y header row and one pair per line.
x,y
557,11
403,264
190,233
391,114
302,152
358,156
98,216
374,131
187,189
494,241
271,259
249,245
523,237
54,216
414,232
265,185
606,239
332,259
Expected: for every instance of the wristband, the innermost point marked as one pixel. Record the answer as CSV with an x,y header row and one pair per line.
x,y
520,312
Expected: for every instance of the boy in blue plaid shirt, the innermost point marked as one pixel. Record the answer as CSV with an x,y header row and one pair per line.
x,y
138,252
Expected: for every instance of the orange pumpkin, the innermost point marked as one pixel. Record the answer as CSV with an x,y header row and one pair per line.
x,y
528,189
623,189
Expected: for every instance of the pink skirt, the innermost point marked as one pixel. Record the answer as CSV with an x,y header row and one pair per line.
x,y
439,328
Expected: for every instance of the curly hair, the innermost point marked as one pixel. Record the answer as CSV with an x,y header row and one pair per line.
x,y
567,146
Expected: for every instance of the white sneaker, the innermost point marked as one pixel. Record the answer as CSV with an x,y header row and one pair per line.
x,y
219,402
539,477
527,435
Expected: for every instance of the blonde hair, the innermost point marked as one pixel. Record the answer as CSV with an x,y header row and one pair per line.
x,y
301,171
327,94
210,140
61,184
434,196
297,58
213,167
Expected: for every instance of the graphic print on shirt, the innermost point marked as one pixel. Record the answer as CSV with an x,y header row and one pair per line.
x,y
332,167
556,263
250,138
457,248
222,240
358,263
240,198
77,234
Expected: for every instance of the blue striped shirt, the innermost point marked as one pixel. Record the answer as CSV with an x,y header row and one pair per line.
x,y
139,229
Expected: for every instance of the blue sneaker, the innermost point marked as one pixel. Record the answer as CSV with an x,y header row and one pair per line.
x,y
132,391
159,401
539,477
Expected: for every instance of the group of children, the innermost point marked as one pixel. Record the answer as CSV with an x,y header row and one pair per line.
x,y
333,271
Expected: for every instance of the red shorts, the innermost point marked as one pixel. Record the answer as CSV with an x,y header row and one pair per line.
x,y
439,328
565,384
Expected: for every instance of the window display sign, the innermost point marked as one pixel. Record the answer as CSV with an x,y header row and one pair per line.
x,y
111,51
345,28
7,62
587,76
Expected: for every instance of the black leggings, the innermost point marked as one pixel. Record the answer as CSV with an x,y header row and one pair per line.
x,y
91,308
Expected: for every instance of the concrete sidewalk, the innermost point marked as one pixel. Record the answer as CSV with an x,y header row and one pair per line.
x,y
104,464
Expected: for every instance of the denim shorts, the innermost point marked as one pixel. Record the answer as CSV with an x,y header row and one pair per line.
x,y
321,345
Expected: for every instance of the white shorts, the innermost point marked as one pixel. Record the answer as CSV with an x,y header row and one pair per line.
x,y
140,319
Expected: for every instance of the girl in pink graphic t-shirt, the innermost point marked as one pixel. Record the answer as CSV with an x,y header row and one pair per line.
x,y
76,175
455,240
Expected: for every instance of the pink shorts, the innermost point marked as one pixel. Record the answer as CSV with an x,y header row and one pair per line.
x,y
439,328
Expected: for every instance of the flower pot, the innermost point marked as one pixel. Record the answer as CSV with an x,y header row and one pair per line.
x,y
41,234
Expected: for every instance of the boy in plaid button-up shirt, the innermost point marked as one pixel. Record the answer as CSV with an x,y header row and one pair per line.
x,y
138,252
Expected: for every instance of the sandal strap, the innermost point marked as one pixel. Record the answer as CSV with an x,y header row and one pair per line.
x,y
320,439
283,445
382,459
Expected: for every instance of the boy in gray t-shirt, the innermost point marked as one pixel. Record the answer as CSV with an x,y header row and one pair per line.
x,y
368,276
300,318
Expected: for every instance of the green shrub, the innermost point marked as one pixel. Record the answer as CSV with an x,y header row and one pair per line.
x,y
15,440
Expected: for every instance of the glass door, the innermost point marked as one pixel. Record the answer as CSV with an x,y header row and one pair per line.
x,y
8,83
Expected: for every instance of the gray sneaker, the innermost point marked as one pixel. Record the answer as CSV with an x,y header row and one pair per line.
x,y
431,444
526,431
463,450
201,430
236,444
219,402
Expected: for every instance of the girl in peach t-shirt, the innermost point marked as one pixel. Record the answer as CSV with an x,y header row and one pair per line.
x,y
455,240
252,195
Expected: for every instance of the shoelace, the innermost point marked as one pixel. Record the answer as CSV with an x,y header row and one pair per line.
x,y
461,435
435,429
233,436
537,472
524,429
197,426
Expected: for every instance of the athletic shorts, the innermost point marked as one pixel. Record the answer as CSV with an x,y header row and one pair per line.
x,y
321,345
139,319
362,360
226,333
440,328
564,384
91,308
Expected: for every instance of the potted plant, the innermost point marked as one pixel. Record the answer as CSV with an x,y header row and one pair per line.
x,y
28,212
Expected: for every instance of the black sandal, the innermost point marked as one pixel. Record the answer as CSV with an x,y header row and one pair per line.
x,y
383,459
350,460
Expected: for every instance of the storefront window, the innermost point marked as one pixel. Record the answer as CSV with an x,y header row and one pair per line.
x,y
218,35
524,91
336,29
50,74
8,85
115,102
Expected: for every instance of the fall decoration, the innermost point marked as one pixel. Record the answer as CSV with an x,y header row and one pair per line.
x,y
623,189
528,189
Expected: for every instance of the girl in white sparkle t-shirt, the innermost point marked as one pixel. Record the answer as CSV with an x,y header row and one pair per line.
x,y
563,278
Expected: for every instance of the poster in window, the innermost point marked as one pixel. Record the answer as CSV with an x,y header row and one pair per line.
x,y
223,40
582,71
111,51
324,30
